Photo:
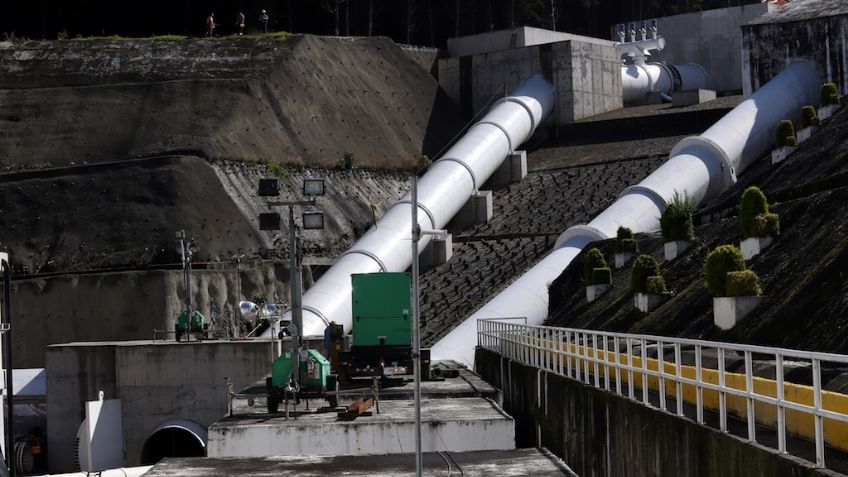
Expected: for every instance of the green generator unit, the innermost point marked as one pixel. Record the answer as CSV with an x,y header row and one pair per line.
x,y
381,325
198,324
315,379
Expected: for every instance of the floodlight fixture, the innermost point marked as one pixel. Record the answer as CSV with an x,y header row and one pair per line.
x,y
269,221
313,186
269,188
313,220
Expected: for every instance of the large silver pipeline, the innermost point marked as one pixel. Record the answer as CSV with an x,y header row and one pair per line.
x,y
638,80
442,192
700,166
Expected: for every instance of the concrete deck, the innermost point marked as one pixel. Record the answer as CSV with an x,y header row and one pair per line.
x,y
518,462
457,424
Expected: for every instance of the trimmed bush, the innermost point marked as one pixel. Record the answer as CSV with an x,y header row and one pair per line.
x,y
829,94
655,285
767,224
601,276
721,261
755,220
676,220
786,133
743,283
592,260
643,267
809,117
624,241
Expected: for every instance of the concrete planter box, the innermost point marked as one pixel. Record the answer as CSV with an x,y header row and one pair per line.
x,y
827,111
676,248
805,133
647,302
781,153
593,292
752,246
622,259
729,310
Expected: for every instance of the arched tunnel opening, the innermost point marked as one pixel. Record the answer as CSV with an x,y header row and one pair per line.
x,y
171,441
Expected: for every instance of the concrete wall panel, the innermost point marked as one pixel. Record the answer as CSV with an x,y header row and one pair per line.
x,y
768,48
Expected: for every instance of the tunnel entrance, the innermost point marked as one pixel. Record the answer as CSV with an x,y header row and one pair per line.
x,y
172,440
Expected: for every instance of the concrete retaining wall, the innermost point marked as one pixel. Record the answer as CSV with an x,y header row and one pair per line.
x,y
712,39
767,48
586,76
599,434
155,382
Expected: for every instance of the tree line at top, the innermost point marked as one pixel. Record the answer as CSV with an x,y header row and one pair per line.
x,y
415,22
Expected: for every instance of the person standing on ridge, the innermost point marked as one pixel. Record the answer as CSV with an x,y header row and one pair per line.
x,y
240,23
210,24
263,19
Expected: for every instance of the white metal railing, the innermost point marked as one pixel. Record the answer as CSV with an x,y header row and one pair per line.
x,y
611,361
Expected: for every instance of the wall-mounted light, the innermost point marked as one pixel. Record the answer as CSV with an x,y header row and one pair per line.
x,y
313,220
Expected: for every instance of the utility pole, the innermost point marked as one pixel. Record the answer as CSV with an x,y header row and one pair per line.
x,y
416,321
6,332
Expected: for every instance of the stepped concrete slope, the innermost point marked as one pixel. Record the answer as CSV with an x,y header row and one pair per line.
x,y
802,272
301,100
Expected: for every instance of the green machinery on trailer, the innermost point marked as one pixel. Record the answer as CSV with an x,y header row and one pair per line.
x,y
315,379
382,327
198,325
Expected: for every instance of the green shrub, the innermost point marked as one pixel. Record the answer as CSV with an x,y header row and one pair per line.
x,y
721,261
601,276
829,94
279,171
643,267
809,117
676,220
62,35
766,224
424,163
624,241
655,285
347,161
755,220
743,283
786,133
592,260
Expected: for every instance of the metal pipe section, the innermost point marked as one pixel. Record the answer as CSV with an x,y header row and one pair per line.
x,y
640,80
442,192
700,167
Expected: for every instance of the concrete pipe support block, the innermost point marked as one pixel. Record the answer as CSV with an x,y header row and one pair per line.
x,y
729,310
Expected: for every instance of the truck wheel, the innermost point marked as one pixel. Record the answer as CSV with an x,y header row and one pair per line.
x,y
273,404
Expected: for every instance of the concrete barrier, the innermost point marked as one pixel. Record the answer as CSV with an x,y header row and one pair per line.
x,y
599,433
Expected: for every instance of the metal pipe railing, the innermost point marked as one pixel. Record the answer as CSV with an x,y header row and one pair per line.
x,y
586,356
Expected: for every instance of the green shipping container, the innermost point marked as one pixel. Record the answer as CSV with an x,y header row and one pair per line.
x,y
381,309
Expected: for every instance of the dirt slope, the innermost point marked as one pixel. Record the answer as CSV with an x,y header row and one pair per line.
x,y
304,100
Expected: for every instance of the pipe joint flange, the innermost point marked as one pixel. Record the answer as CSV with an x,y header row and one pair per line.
x,y
654,195
583,230
513,99
422,207
467,168
503,130
317,313
728,170
370,255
